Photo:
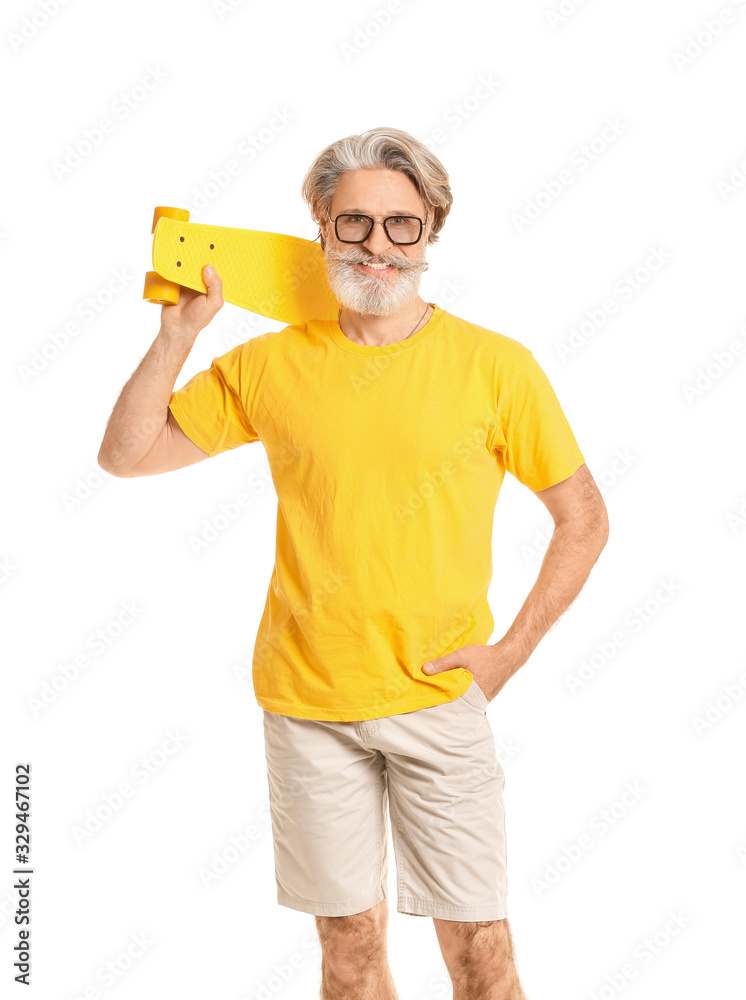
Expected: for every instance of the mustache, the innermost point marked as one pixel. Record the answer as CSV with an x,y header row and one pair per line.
x,y
356,257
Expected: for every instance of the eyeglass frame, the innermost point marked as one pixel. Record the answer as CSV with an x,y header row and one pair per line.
x,y
380,222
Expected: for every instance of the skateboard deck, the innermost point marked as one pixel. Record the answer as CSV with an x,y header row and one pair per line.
x,y
278,276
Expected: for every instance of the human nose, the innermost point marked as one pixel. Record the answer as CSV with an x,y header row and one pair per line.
x,y
377,240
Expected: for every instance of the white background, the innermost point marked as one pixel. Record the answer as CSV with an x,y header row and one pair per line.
x,y
507,96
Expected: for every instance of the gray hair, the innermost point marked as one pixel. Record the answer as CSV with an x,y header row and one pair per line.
x,y
379,148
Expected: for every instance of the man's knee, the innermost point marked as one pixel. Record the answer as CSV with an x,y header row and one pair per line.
x,y
464,941
476,944
354,941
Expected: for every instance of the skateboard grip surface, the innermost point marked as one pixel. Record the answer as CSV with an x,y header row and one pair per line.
x,y
272,274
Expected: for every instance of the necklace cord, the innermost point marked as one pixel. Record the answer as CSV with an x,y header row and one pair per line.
x,y
427,306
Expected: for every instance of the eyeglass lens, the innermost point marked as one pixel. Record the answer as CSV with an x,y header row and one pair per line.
x,y
400,228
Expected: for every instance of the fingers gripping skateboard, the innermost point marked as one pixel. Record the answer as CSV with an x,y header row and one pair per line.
x,y
282,277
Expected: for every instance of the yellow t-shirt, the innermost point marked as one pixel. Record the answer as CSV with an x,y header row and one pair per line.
x,y
387,462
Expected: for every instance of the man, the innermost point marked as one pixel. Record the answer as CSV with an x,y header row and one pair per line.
x,y
388,432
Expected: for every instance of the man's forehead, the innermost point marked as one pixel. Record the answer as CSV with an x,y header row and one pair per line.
x,y
363,185
356,209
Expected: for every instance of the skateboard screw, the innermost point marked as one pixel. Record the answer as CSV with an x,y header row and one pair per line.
x,y
212,246
178,263
181,238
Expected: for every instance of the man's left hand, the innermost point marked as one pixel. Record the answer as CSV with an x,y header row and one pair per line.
x,y
490,666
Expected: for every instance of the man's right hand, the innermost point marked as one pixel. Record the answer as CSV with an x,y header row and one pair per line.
x,y
194,309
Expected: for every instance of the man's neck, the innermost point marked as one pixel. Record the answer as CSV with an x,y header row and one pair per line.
x,y
380,330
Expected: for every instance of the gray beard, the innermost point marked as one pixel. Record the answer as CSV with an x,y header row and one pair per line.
x,y
370,294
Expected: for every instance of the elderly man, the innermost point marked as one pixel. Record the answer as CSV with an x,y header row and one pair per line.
x,y
388,432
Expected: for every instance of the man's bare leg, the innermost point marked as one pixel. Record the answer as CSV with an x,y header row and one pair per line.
x,y
479,958
354,960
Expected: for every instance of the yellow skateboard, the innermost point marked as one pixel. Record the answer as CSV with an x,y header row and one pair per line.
x,y
282,277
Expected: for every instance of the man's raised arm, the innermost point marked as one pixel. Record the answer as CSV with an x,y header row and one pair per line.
x,y
142,438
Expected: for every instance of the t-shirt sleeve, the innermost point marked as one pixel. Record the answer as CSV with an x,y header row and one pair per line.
x,y
213,407
533,439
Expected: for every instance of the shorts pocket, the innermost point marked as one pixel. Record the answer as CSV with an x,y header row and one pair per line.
x,y
478,694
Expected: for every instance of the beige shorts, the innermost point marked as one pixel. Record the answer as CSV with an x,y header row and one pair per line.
x,y
436,769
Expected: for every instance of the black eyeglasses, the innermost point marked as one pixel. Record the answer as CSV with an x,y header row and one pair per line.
x,y
401,229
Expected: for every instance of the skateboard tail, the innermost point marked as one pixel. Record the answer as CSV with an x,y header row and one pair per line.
x,y
272,274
